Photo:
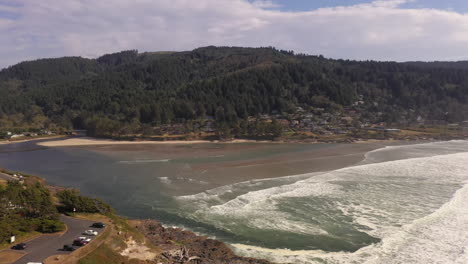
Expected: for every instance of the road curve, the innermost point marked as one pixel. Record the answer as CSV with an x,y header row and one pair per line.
x,y
48,245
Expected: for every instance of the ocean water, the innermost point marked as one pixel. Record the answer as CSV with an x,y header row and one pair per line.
x,y
401,204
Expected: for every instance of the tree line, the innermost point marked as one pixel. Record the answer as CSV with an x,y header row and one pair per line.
x,y
128,91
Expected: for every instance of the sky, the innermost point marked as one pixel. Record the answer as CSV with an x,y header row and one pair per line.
x,y
397,30
306,5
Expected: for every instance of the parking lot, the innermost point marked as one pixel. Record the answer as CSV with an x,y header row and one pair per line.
x,y
48,245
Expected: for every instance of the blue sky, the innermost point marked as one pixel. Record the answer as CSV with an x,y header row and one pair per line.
x,y
5,12
305,5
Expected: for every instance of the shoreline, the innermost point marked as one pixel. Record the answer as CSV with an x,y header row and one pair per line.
x,y
229,169
214,174
142,239
7,142
89,141
226,171
328,157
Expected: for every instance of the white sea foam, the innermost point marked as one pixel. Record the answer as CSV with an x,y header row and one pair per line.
x,y
407,202
165,180
441,237
415,151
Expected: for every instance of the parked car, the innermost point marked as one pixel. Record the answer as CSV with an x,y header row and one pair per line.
x,y
68,248
86,239
90,233
79,242
98,225
20,246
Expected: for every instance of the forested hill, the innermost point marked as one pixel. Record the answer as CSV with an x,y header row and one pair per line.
x,y
440,64
127,91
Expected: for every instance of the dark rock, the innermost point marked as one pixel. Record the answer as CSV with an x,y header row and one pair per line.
x,y
181,246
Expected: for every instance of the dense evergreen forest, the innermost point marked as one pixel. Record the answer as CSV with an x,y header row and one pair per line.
x,y
126,92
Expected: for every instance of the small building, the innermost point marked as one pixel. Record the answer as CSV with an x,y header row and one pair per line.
x,y
46,132
209,127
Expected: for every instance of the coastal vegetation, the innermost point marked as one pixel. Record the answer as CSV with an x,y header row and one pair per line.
x,y
72,201
228,92
29,207
25,208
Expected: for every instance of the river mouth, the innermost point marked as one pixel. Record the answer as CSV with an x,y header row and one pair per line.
x,y
294,203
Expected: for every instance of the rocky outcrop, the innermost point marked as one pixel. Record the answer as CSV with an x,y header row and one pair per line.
x,y
181,246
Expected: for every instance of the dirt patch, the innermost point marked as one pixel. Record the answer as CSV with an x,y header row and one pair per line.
x,y
135,250
7,257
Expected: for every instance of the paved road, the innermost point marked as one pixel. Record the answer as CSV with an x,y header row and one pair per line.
x,y
6,177
48,245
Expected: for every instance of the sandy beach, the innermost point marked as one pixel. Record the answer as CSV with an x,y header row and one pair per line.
x,y
86,141
5,142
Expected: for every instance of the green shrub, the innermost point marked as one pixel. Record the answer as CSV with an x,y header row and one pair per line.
x,y
72,201
50,226
25,208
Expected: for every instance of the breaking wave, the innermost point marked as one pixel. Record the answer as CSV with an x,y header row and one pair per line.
x,y
402,204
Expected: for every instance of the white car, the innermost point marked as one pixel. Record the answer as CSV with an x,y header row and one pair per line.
x,y
85,239
90,233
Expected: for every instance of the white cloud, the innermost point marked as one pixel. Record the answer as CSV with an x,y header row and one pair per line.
x,y
380,30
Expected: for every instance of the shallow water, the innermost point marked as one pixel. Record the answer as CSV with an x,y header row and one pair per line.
x,y
402,204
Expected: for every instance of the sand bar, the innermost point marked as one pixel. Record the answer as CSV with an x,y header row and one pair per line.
x,y
195,166
86,141
215,168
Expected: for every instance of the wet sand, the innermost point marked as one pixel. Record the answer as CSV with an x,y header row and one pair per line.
x,y
6,142
85,141
195,167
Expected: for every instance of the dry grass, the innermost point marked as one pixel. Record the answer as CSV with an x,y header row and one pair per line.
x,y
7,257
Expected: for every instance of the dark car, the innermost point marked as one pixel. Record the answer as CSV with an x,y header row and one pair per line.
x,y
68,248
98,225
79,242
20,246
